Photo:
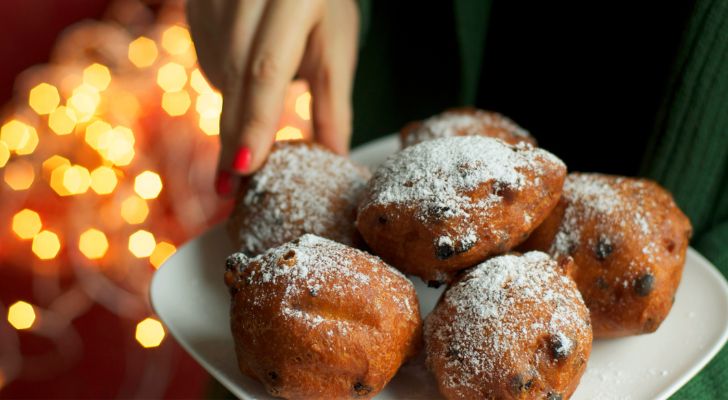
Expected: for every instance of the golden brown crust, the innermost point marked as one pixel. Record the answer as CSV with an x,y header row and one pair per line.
x,y
514,327
628,239
444,205
317,319
464,121
302,188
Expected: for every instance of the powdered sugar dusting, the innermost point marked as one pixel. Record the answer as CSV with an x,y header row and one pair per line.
x,y
462,123
490,304
438,177
301,189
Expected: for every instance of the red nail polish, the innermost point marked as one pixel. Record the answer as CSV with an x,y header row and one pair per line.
x,y
223,183
241,163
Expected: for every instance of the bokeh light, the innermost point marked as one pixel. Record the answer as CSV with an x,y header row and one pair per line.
x,y
93,244
142,243
142,52
176,40
103,180
210,126
289,133
147,185
134,210
57,177
84,101
30,144
62,120
172,77
97,75
15,134
26,224
76,179
161,253
44,98
149,333
19,174
46,245
303,106
209,105
94,131
199,83
21,315
176,103
117,145
4,154
52,163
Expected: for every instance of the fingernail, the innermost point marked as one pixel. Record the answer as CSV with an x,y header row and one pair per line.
x,y
223,183
241,163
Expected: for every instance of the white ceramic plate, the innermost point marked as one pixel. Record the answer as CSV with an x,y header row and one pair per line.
x,y
189,296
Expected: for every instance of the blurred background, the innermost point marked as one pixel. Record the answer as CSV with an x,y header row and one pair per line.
x,y
107,155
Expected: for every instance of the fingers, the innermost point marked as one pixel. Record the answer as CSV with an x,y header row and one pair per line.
x,y
273,61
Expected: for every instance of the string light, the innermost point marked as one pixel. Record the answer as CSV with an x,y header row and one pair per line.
x,y
46,245
303,106
172,77
94,131
176,40
147,185
76,179
26,224
103,180
142,52
62,120
93,244
176,103
142,243
21,315
149,333
161,253
44,98
19,174
15,134
30,144
98,76
58,176
134,210
289,133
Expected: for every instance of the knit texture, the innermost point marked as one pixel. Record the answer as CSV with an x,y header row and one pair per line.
x,y
688,154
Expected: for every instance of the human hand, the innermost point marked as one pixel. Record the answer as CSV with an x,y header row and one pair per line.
x,y
252,49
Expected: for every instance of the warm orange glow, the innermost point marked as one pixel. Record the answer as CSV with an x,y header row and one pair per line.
x,y
97,75
199,83
149,333
94,131
142,243
19,174
209,105
172,77
176,103
161,253
303,106
30,144
176,40
117,145
93,244
15,134
147,185
84,101
142,52
211,126
123,105
134,210
4,154
289,133
21,315
44,98
58,174
76,179
62,120
103,180
52,163
46,245
26,224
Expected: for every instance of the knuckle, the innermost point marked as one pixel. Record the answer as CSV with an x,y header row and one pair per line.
x,y
265,69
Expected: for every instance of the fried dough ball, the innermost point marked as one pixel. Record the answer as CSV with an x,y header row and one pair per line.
x,y
514,327
447,204
302,188
628,239
317,319
464,121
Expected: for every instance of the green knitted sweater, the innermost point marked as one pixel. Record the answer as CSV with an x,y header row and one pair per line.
x,y
646,95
